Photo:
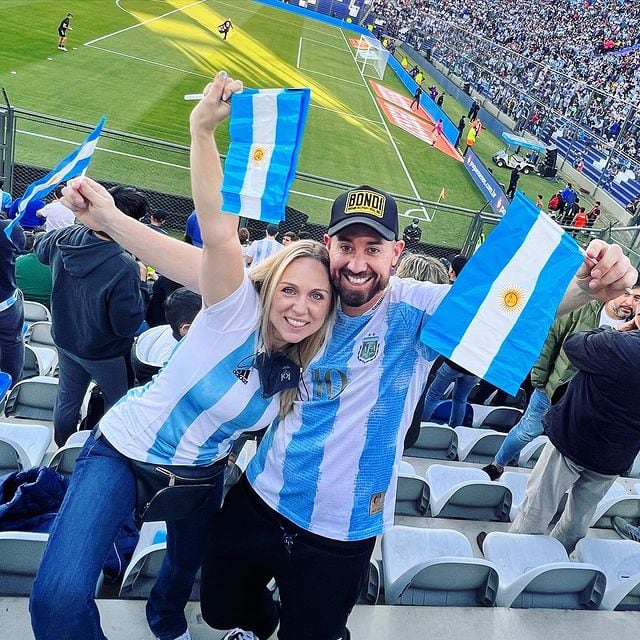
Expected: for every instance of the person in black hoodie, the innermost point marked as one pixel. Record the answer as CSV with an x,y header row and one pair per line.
x,y
594,433
97,304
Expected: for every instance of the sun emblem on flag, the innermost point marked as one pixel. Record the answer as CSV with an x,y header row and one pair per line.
x,y
258,155
512,299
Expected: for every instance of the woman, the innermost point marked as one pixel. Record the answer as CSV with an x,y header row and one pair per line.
x,y
190,414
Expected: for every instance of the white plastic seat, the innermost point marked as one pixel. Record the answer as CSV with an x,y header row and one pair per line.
x,y
142,572
635,490
22,446
531,452
535,572
32,399
616,502
38,361
64,459
370,593
39,335
480,412
435,567
412,494
466,492
435,441
478,445
619,560
517,483
35,312
20,556
634,472
501,419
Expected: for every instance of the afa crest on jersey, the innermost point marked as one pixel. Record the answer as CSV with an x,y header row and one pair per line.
x,y
369,349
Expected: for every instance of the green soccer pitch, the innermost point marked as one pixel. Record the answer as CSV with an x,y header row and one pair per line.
x,y
134,60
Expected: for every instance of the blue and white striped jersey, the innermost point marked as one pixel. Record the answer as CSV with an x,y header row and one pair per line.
x,y
330,466
204,397
262,249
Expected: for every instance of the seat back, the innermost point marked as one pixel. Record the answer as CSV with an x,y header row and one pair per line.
x,y
435,441
412,496
33,399
501,419
442,413
10,457
35,312
40,335
20,556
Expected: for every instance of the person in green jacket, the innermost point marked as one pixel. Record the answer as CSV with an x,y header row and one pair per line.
x,y
553,370
32,277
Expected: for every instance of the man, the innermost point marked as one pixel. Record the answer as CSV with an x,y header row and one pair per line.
x,y
471,139
157,219
30,219
261,249
412,233
224,28
32,277
97,304
473,111
569,196
594,433
513,182
11,310
63,27
594,214
461,126
553,370
56,215
437,131
5,200
416,98
288,238
440,100
323,483
457,264
192,233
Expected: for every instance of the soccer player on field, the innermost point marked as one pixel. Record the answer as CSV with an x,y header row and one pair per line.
x,y
224,28
62,31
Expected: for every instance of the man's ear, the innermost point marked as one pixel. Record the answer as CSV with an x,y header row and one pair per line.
x,y
184,328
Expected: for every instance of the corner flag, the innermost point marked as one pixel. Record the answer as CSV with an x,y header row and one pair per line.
x,y
497,315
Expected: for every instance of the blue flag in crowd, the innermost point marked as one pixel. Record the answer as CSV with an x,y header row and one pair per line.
x,y
497,315
266,135
73,165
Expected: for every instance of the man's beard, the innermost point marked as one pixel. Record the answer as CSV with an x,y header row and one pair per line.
x,y
355,299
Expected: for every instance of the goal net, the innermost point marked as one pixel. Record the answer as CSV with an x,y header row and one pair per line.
x,y
371,57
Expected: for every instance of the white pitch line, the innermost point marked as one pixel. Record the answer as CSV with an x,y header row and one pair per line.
x,y
158,64
328,75
344,113
299,53
140,24
324,44
384,124
311,195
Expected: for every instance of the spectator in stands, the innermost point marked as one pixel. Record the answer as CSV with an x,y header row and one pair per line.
x,y
513,182
422,268
162,288
594,433
553,371
412,233
457,264
262,249
288,238
11,310
55,214
157,220
5,200
97,304
416,98
212,374
32,277
152,348
30,220
192,233
245,240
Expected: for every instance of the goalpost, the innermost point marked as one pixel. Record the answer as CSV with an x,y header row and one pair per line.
x,y
371,56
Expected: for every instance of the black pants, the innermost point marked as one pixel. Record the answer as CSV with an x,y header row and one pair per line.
x,y
319,579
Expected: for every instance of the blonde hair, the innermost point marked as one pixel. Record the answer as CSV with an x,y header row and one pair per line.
x,y
266,277
423,268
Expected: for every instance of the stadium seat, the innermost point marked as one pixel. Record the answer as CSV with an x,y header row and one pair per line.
x,y
38,361
35,312
372,587
22,446
531,452
442,413
517,483
436,441
616,502
64,459
20,556
478,445
32,399
435,567
535,572
412,494
634,472
519,401
140,575
619,560
501,419
467,493
39,335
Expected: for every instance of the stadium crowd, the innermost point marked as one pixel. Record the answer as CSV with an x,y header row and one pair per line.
x,y
565,66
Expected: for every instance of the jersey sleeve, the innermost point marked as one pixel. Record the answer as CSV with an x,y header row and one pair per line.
x,y
237,312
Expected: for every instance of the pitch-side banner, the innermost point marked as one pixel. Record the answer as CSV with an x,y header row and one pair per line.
x,y
489,186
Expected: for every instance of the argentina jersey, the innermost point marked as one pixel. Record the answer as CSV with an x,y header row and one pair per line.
x,y
330,466
204,397
262,249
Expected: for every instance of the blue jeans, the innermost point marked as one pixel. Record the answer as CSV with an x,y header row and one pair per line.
x,y
101,495
528,428
464,382
11,341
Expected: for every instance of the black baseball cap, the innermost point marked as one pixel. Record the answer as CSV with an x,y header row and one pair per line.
x,y
368,206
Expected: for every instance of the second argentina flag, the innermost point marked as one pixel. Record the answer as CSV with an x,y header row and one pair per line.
x,y
497,315
266,131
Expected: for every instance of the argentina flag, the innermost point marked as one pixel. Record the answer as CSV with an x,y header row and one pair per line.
x,y
73,165
497,315
266,135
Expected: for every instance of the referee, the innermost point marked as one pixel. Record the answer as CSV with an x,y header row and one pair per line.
x,y
62,31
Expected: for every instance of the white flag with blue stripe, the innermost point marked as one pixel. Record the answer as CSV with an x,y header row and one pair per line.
x,y
497,315
73,165
266,131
